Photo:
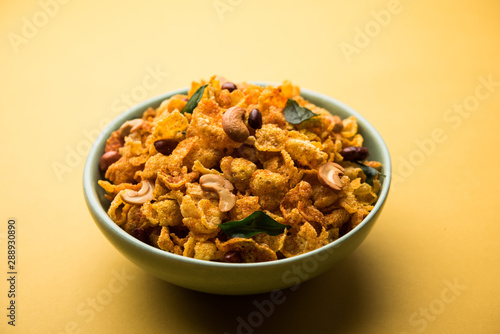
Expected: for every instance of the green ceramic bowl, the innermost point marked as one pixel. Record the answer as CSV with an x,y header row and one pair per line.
x,y
230,278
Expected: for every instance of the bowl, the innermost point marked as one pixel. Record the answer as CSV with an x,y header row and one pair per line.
x,y
232,278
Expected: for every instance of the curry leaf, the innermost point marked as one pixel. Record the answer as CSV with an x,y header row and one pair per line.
x,y
257,222
193,101
370,172
295,114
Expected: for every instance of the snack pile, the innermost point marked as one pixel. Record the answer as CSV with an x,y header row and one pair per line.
x,y
238,173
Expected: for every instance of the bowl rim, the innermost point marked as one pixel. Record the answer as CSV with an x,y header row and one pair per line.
x,y
101,217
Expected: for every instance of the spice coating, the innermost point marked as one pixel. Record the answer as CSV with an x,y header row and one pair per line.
x,y
184,176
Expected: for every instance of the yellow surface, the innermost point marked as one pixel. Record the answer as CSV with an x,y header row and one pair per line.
x,y
420,74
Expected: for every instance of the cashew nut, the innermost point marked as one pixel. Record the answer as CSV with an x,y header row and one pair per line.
x,y
139,197
329,174
233,125
219,184
130,126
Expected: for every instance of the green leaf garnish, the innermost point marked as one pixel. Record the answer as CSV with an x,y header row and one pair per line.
x,y
370,172
193,101
295,114
257,222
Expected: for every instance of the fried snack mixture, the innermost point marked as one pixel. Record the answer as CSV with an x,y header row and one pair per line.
x,y
225,151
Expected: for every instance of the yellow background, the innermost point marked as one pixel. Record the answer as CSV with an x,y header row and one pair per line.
x,y
409,74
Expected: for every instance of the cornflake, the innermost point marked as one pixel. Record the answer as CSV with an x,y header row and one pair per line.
x,y
274,170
